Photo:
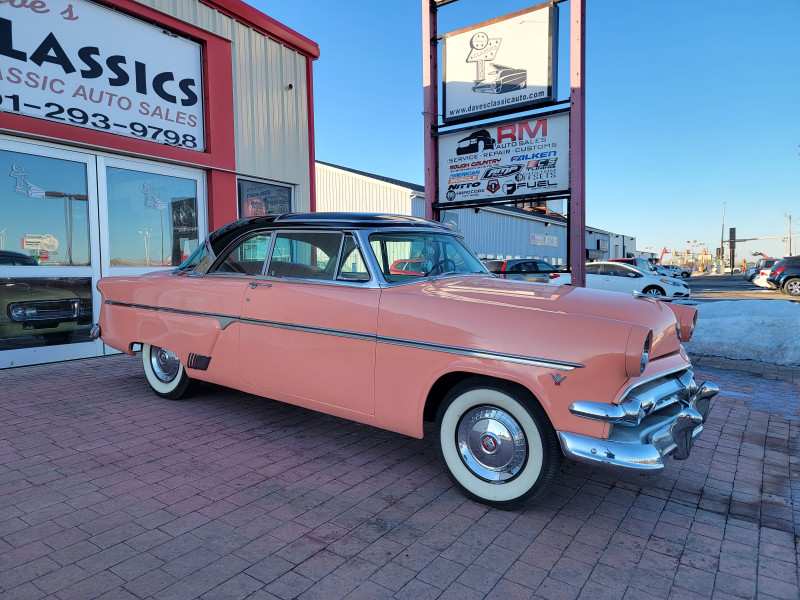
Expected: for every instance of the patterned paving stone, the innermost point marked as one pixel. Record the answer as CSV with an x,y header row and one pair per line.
x,y
107,491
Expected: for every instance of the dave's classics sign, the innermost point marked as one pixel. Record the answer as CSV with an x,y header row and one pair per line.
x,y
78,63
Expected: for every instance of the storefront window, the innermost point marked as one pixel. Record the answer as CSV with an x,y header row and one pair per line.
x,y
44,311
44,212
257,199
152,219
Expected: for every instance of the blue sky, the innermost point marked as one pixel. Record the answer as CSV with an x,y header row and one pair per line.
x,y
689,105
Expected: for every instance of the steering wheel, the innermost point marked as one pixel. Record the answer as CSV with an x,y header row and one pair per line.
x,y
441,266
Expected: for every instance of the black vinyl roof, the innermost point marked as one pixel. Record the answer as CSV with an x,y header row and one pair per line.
x,y
322,220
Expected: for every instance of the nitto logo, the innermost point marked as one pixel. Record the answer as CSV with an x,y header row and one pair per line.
x,y
502,171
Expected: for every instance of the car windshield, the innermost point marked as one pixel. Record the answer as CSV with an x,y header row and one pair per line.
x,y
406,256
195,258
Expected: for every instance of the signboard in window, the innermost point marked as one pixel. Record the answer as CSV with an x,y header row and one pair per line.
x,y
82,64
258,199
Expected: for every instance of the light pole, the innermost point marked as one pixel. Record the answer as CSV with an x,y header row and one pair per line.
x,y
3,238
145,233
68,198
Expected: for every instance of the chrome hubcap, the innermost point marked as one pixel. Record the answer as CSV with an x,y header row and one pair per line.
x,y
491,444
165,364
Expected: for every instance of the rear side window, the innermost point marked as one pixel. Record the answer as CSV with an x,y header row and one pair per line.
x,y
305,255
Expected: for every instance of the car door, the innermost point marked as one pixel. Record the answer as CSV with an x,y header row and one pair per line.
x,y
309,323
620,278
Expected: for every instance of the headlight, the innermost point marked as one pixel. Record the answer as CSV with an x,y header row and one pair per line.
x,y
18,313
637,353
645,355
30,312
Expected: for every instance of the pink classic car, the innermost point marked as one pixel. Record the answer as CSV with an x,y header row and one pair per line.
x,y
515,375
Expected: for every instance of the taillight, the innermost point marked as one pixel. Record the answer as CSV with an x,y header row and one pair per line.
x,y
779,270
554,275
503,269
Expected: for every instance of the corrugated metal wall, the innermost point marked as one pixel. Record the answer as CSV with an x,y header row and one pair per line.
x,y
494,234
340,191
271,122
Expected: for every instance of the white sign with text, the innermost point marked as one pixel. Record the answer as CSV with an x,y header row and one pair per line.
x,y
81,64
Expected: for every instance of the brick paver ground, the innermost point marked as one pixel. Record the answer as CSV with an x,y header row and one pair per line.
x,y
107,491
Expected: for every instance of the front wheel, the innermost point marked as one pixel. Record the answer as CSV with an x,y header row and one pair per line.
x,y
792,287
653,291
496,443
164,372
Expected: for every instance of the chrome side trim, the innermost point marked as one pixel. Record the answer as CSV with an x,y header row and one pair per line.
x,y
225,320
368,337
512,358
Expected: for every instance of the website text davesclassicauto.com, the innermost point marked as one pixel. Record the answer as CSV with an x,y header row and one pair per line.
x,y
494,104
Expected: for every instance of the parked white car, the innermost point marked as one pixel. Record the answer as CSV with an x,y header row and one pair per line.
x,y
675,270
621,277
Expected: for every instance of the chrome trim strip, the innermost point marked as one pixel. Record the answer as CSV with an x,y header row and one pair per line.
x,y
225,320
487,354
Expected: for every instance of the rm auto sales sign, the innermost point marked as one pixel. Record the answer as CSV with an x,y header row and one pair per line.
x,y
78,63
512,160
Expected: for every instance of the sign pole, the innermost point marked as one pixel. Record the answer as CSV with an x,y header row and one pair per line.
x,y
577,135
430,76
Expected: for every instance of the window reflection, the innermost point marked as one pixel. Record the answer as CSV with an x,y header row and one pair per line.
x,y
44,208
44,311
152,219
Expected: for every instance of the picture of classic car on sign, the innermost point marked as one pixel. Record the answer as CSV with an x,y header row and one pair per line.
x,y
507,80
324,310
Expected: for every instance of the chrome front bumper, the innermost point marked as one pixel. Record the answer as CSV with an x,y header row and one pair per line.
x,y
655,419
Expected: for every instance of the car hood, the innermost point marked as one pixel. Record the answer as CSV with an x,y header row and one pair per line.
x,y
494,302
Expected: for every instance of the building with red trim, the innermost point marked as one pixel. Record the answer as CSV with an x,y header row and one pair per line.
x,y
128,130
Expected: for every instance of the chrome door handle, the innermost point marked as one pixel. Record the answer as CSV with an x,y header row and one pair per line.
x,y
255,284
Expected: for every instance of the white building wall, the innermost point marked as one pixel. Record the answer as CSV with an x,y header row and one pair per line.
x,y
343,191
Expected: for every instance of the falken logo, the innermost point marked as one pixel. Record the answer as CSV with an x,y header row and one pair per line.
x,y
558,378
501,171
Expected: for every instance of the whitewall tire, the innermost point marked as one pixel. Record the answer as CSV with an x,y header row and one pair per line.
x,y
164,372
496,443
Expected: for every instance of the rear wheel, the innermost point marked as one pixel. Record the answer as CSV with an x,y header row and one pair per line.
x,y
685,274
496,443
653,290
164,372
792,287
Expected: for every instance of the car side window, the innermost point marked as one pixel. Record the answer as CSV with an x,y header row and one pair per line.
x,y
305,255
246,257
352,266
594,269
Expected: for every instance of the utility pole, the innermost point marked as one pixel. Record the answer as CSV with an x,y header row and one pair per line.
x,y
789,239
722,242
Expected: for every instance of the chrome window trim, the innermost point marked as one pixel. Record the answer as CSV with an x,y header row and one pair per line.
x,y
226,320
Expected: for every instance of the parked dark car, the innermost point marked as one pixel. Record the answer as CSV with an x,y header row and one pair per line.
x,y
17,259
785,275
528,269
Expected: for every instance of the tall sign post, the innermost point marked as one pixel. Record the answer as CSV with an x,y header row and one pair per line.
x,y
577,134
503,68
430,91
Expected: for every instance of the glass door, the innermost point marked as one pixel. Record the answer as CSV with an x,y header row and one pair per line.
x,y
154,215
49,253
